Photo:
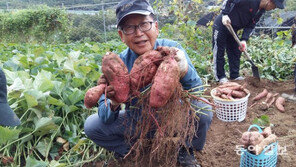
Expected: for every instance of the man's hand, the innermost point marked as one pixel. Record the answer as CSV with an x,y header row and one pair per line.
x,y
244,46
102,80
179,56
110,92
226,20
182,62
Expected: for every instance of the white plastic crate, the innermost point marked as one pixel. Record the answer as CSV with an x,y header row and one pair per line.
x,y
230,110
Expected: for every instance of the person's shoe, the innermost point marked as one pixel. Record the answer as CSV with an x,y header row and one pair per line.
x,y
187,159
291,97
223,80
239,78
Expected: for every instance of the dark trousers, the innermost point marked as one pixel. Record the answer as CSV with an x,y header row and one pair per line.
x,y
112,136
222,40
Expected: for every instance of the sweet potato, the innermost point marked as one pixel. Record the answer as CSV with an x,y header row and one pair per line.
x,y
260,95
268,96
256,138
165,82
117,75
238,94
165,50
229,84
217,93
237,87
265,142
270,99
226,91
279,103
179,56
245,139
231,91
265,104
144,69
224,96
93,95
266,132
229,96
251,138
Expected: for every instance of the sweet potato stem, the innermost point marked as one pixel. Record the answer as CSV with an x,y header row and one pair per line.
x,y
198,98
198,111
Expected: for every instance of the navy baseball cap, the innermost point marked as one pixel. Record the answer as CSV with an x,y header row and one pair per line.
x,y
279,3
7,116
127,7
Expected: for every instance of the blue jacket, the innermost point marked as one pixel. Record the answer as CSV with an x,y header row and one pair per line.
x,y
190,80
244,14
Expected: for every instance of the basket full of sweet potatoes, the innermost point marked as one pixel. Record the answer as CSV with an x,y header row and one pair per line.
x,y
231,100
259,147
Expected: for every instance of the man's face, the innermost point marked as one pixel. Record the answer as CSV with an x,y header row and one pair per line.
x,y
270,5
139,42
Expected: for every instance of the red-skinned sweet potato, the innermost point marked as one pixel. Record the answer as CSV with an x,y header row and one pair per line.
x,y
251,138
93,95
260,95
238,94
165,82
279,103
229,84
144,69
231,91
117,75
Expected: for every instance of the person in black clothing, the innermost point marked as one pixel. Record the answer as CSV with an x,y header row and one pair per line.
x,y
241,14
7,116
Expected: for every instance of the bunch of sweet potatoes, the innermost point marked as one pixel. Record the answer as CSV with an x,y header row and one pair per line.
x,y
255,142
231,91
270,98
157,67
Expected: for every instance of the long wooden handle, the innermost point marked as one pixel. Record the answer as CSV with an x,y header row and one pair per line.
x,y
229,27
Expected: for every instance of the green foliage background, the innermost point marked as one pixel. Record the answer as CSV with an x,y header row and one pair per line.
x,y
40,24
46,89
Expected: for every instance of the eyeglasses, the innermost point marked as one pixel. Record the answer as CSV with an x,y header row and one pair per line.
x,y
130,29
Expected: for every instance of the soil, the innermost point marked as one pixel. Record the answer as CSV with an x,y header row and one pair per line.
x,y
223,137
